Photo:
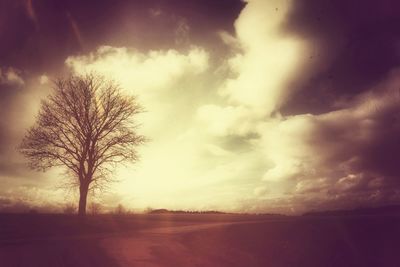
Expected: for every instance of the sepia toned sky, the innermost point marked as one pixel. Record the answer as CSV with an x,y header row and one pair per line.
x,y
252,106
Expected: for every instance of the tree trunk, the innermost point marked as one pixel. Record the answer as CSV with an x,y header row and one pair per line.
x,y
83,192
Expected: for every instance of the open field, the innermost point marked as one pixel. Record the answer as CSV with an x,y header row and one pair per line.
x,y
199,240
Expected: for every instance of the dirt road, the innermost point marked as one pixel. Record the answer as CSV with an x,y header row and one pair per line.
x,y
150,247
165,246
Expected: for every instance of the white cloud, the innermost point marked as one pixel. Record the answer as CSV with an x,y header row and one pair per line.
x,y
261,191
11,76
155,12
312,184
229,40
43,79
260,70
348,182
223,121
155,70
286,143
268,59
182,31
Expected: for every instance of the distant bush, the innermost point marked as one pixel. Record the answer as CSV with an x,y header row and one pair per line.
x,y
95,208
69,208
120,209
163,211
148,210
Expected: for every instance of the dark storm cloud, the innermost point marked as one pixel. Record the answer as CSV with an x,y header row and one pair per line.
x,y
359,147
39,35
353,46
381,154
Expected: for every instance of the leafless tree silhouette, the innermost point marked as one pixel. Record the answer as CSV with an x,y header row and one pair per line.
x,y
86,125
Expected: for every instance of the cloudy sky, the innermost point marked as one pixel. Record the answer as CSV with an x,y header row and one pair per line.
x,y
252,106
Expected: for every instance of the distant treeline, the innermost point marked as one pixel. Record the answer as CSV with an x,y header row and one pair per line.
x,y
166,211
162,211
383,210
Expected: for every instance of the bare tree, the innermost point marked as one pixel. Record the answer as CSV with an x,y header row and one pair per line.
x,y
86,125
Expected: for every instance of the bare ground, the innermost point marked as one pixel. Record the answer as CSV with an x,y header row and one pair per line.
x,y
200,240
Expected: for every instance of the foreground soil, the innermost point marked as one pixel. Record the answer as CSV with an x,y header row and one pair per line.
x,y
199,240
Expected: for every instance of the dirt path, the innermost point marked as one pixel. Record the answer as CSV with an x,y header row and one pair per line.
x,y
158,247
150,247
